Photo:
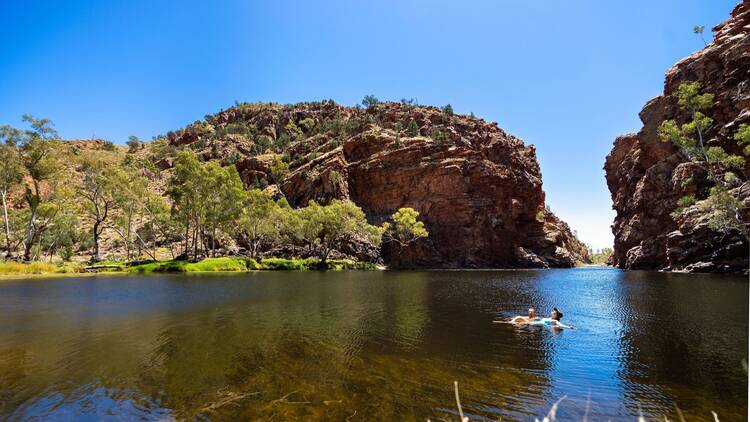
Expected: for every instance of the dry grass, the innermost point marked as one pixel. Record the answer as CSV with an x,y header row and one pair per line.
x,y
12,268
552,414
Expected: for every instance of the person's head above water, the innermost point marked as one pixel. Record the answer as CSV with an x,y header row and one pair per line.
x,y
532,313
556,314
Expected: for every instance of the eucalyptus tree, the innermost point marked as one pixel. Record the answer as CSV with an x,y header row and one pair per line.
x,y
333,225
11,174
186,193
38,158
98,192
260,221
722,205
404,227
224,197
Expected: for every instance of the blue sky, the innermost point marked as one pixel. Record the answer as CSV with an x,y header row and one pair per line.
x,y
566,76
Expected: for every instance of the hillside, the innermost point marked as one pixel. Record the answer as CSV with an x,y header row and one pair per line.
x,y
477,188
648,177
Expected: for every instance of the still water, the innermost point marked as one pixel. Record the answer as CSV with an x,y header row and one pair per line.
x,y
372,346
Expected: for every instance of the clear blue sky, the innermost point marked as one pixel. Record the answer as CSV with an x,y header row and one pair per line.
x,y
566,76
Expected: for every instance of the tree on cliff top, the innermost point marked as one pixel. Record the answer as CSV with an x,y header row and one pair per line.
x,y
724,170
698,29
369,101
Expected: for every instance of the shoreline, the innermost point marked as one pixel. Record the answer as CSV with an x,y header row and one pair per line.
x,y
10,270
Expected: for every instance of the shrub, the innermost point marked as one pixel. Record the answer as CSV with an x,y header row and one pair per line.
x,y
439,136
369,100
133,143
540,216
287,264
307,124
412,129
223,264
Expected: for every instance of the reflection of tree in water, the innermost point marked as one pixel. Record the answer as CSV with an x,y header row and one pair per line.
x,y
379,348
683,331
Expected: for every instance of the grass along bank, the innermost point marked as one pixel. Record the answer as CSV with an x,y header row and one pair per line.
x,y
223,264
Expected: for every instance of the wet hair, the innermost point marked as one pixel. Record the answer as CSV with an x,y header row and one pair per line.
x,y
559,314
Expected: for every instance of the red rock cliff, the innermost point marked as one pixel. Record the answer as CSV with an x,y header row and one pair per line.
x,y
646,176
478,189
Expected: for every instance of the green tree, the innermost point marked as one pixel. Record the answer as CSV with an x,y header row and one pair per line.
x,y
307,124
133,143
404,227
723,170
98,192
11,174
291,228
698,29
412,129
369,101
130,190
186,193
332,225
279,168
448,109
260,221
159,227
601,256
37,147
224,196
62,233
293,130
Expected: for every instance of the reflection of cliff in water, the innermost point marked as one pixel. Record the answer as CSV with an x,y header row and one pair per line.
x,y
388,346
674,331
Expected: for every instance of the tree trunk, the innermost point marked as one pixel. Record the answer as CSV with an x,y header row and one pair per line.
x,y
29,236
7,226
127,241
187,237
95,255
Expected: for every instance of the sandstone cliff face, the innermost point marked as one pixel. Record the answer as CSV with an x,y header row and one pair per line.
x,y
646,176
478,189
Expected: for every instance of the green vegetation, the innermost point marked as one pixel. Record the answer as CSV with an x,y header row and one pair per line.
x,y
134,144
404,227
698,30
601,256
184,201
724,171
314,264
11,267
369,101
412,129
223,264
205,265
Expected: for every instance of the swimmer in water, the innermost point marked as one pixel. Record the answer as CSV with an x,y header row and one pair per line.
x,y
553,321
520,319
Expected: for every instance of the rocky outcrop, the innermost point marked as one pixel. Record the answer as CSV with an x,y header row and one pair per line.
x,y
477,188
646,177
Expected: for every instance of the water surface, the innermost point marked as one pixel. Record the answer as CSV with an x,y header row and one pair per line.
x,y
372,345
